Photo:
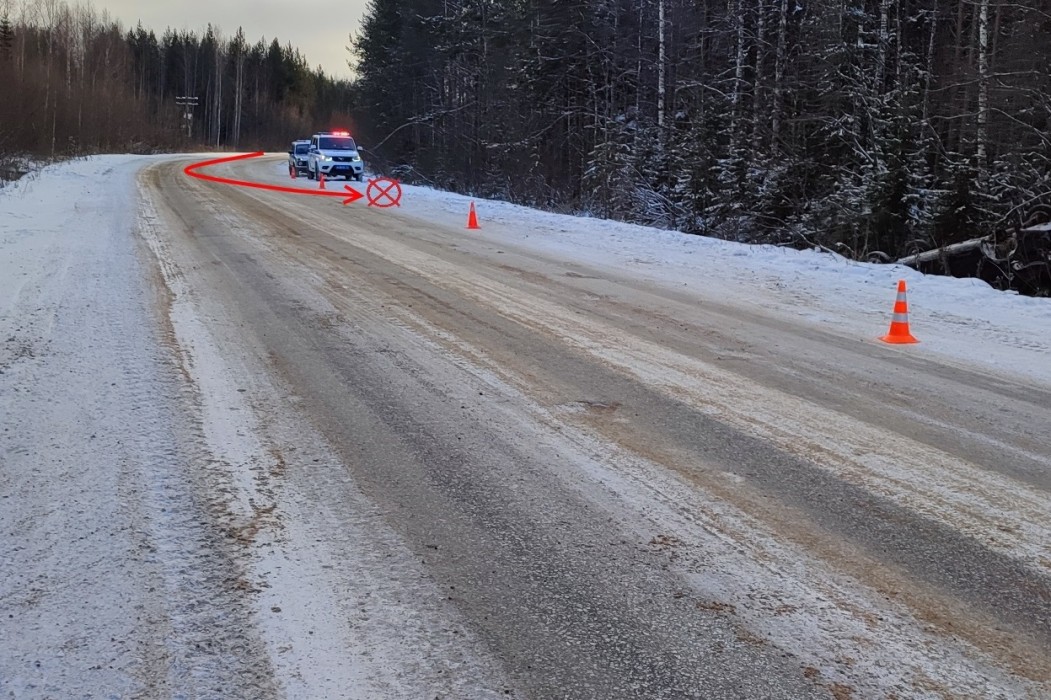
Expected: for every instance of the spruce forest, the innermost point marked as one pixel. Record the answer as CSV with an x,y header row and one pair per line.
x,y
73,82
872,127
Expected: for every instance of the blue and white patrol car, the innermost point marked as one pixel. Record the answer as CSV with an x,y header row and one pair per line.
x,y
334,154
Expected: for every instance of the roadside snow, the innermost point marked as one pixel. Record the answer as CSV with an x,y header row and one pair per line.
x,y
960,320
964,320
15,167
106,560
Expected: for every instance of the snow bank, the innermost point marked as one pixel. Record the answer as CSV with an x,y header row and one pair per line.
x,y
961,320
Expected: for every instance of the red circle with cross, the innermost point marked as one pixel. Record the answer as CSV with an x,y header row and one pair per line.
x,y
384,192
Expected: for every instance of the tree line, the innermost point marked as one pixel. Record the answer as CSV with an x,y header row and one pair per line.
x,y
872,127
73,81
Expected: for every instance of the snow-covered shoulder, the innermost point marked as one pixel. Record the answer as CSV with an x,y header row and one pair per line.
x,y
962,321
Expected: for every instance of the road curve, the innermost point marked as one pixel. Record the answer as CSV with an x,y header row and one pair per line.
x,y
613,488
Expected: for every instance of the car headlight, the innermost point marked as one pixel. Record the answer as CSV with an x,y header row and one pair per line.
x,y
356,159
324,159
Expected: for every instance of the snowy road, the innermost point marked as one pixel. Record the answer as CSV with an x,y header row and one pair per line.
x,y
257,445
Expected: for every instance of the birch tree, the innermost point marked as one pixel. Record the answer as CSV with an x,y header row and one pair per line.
x,y
983,82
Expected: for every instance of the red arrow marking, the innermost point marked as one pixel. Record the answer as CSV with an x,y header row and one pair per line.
x,y
349,196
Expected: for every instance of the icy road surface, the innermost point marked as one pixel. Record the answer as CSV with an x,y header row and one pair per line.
x,y
260,446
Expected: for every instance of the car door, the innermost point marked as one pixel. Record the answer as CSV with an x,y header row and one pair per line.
x,y
312,154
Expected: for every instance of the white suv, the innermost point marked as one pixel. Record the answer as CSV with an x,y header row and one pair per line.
x,y
334,154
297,157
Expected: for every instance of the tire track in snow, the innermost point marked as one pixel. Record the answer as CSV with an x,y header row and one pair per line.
x,y
341,603
938,671
1006,516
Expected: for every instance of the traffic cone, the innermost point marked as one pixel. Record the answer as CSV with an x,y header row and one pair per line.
x,y
321,179
899,324
472,218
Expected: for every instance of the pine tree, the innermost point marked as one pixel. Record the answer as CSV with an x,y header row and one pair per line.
x,y
609,173
7,38
957,218
886,195
377,50
690,164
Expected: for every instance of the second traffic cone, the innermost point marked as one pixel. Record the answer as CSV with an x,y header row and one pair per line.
x,y
899,323
472,218
321,178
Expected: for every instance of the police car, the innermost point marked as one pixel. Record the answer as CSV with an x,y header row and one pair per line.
x,y
297,157
334,154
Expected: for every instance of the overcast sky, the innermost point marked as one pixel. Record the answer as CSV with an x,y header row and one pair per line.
x,y
319,28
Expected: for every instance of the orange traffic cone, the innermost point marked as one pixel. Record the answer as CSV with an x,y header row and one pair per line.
x,y
472,218
321,179
899,323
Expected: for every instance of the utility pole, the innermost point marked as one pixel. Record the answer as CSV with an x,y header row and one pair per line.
x,y
187,103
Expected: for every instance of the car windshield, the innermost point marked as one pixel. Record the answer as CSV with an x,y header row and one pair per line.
x,y
302,147
336,143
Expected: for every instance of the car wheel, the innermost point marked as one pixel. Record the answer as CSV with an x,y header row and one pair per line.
x,y
310,174
360,177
